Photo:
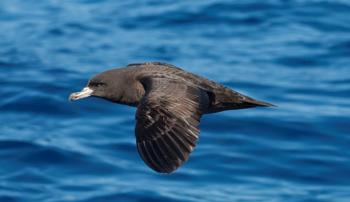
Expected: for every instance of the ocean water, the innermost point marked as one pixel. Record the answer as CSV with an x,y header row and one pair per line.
x,y
293,53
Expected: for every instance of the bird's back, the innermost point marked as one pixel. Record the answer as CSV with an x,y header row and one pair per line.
x,y
164,70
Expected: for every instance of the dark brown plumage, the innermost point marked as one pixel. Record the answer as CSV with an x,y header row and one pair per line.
x,y
170,103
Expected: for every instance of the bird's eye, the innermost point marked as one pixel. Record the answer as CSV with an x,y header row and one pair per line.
x,y
97,84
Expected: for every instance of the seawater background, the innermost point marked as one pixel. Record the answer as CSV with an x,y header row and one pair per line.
x,y
295,54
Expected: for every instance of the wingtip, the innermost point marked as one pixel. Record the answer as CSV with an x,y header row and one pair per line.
x,y
267,104
259,103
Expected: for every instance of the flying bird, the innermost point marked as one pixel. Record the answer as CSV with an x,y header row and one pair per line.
x,y
170,103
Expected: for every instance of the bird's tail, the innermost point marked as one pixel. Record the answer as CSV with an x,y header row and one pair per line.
x,y
247,102
235,101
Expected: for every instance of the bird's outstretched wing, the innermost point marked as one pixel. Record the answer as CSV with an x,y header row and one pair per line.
x,y
168,117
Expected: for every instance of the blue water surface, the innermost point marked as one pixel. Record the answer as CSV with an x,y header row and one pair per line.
x,y
295,54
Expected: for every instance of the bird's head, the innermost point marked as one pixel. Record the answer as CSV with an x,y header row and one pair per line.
x,y
107,85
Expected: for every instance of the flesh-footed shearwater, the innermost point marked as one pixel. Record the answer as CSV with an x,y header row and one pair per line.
x,y
170,103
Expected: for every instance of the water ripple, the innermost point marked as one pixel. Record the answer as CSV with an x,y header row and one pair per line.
x,y
294,54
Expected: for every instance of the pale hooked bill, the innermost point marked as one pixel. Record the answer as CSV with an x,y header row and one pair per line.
x,y
86,92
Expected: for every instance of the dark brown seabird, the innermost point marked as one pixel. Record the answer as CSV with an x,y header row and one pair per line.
x,y
170,103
